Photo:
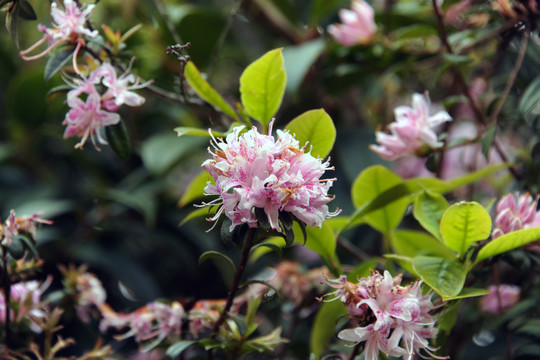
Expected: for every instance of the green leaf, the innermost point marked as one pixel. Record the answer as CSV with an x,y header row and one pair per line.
x,y
12,23
162,151
55,62
414,32
206,92
26,11
415,186
259,251
508,242
298,59
404,261
463,224
530,100
428,210
183,130
371,183
447,319
262,85
467,293
323,329
195,189
119,140
444,276
142,200
321,240
413,243
270,246
315,127
217,255
207,212
488,139
178,348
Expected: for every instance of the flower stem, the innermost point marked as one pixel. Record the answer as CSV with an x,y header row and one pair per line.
x,y
236,282
6,286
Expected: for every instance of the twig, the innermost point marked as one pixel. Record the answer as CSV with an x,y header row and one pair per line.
x,y
236,282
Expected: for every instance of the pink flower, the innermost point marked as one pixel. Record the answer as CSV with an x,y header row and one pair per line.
x,y
501,299
25,303
396,320
155,320
253,171
15,225
90,293
85,120
358,25
204,314
412,133
118,89
68,26
515,212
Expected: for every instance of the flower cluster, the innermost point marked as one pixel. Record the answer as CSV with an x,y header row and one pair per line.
x,y
155,320
92,109
252,170
204,314
290,279
500,299
389,317
357,27
68,26
14,226
412,133
25,303
515,212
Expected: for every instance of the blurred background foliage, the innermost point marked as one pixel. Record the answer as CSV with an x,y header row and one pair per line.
x,y
121,217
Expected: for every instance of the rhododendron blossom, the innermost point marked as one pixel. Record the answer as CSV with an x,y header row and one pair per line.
x,y
91,110
25,303
252,170
13,226
68,26
515,212
413,131
155,320
357,25
391,318
500,299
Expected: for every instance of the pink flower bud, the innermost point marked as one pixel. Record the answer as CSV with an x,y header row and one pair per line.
x,y
501,299
357,25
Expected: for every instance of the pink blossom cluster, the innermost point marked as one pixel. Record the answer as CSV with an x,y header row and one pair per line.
x,y
14,226
155,321
357,25
25,303
90,295
290,279
413,131
252,170
204,314
515,212
500,299
391,318
95,99
70,25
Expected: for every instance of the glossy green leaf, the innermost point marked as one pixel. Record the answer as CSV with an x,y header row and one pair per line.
x,y
162,151
262,85
467,293
444,276
118,139
371,183
195,189
191,131
207,92
529,102
316,128
508,242
413,243
56,62
198,213
178,348
26,11
362,270
321,240
259,251
404,261
323,330
298,59
463,224
212,254
415,186
428,210
270,246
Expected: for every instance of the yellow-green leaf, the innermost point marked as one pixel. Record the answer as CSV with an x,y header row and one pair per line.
x,y
315,127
